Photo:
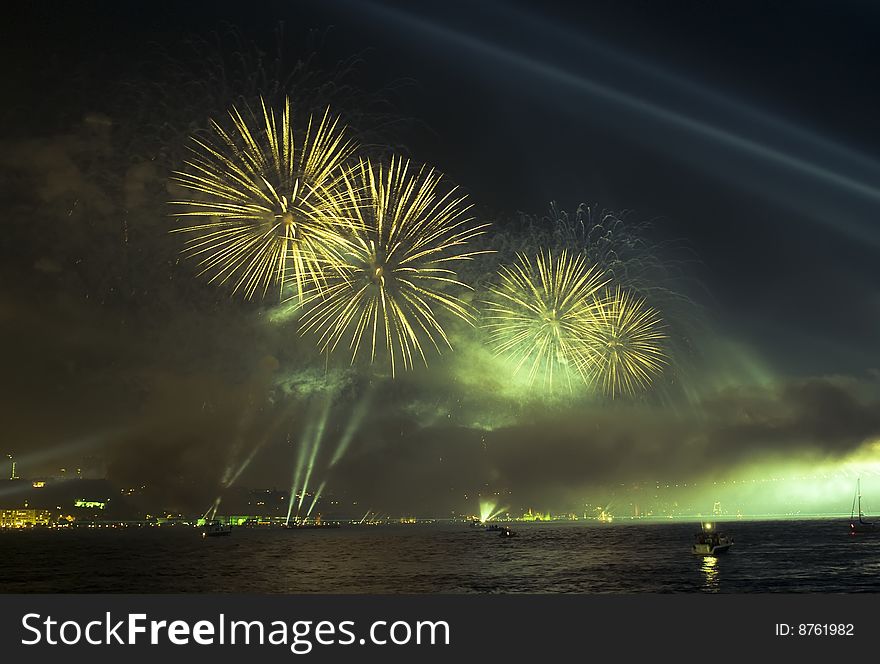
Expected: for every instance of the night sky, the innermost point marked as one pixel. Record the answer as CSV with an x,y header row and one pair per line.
x,y
744,133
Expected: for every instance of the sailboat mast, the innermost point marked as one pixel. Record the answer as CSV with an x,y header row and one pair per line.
x,y
859,489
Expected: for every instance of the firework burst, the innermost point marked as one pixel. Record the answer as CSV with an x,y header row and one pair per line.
x,y
625,344
539,315
398,268
269,199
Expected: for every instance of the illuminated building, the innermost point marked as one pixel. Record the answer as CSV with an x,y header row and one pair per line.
x,y
24,518
90,504
605,516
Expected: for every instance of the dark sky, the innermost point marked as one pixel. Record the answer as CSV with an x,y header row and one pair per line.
x,y
789,240
746,131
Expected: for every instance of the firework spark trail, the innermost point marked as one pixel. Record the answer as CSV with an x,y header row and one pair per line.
x,y
539,314
270,199
625,344
398,267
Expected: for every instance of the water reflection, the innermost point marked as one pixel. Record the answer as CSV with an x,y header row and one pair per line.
x,y
712,580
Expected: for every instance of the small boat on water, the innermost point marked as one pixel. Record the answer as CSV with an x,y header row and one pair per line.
x,y
216,529
709,542
492,528
857,524
507,532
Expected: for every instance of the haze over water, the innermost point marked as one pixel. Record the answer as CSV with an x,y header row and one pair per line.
x,y
783,556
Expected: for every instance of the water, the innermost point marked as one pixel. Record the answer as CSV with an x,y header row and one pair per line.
x,y
789,556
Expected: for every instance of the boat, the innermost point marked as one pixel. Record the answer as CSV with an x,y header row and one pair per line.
x,y
858,525
216,529
492,528
507,532
709,542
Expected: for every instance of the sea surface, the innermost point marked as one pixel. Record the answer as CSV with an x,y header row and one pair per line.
x,y
781,556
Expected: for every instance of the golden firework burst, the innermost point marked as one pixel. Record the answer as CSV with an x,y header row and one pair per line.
x,y
397,273
270,200
539,314
625,344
